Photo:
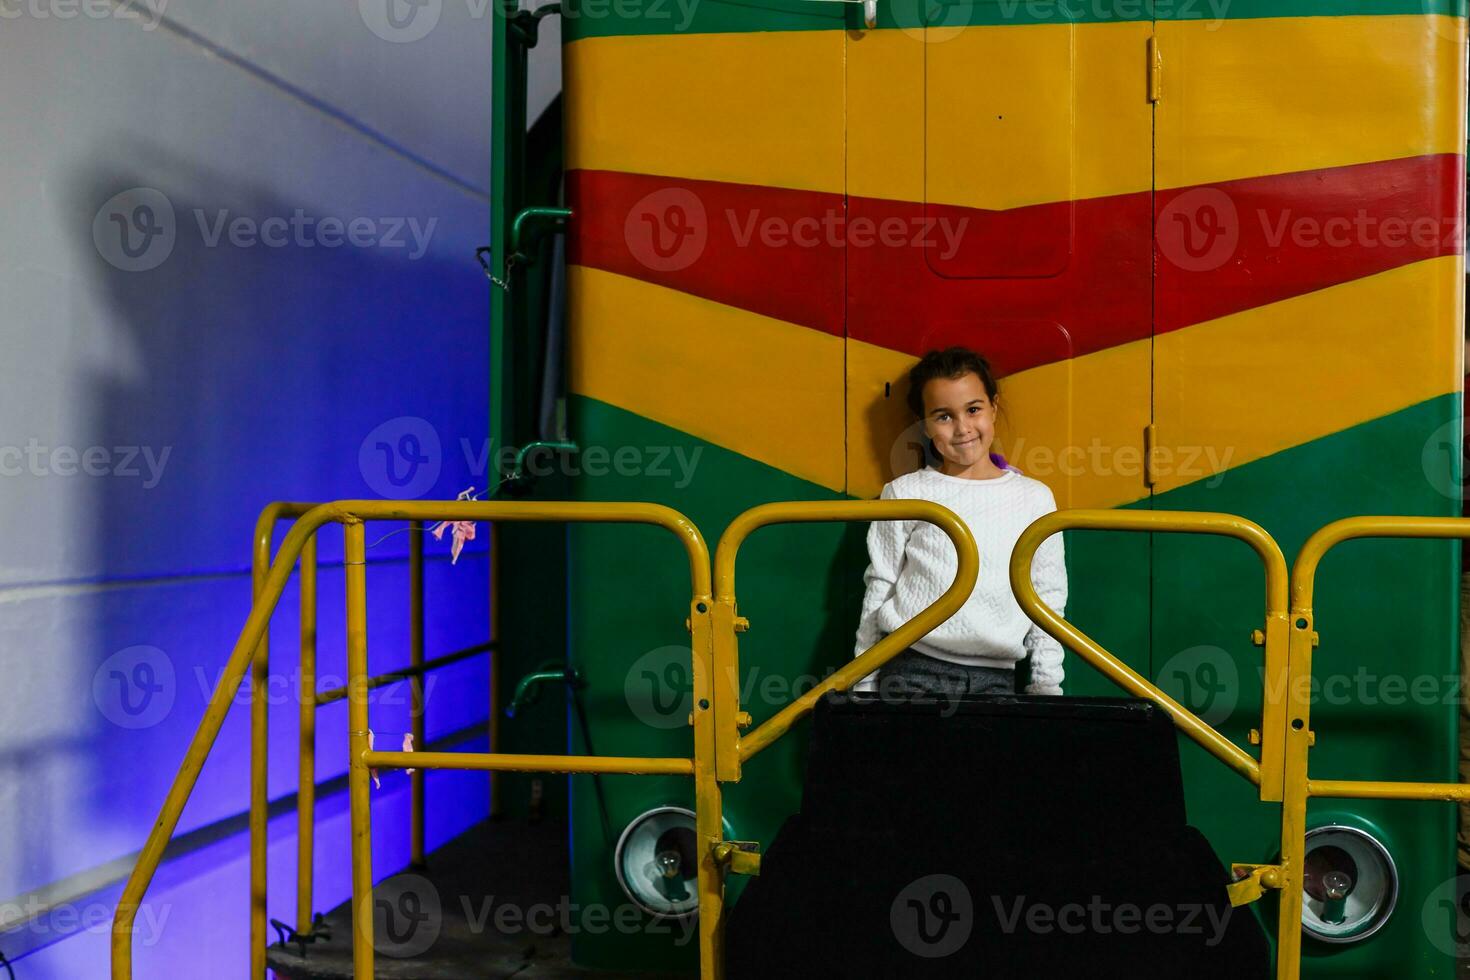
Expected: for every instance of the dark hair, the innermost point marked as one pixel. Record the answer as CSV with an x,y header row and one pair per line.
x,y
952,363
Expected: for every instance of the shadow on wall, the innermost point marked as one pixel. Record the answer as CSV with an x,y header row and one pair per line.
x,y
255,349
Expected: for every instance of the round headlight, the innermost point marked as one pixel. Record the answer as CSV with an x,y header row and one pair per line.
x,y
657,862
1350,882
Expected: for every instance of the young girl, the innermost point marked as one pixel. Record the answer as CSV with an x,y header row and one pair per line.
x,y
976,650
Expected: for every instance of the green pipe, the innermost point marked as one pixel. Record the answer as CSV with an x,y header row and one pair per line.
x,y
518,471
525,689
525,216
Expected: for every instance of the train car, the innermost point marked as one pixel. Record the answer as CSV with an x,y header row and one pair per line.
x,y
1215,250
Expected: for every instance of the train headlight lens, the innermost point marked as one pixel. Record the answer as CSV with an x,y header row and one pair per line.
x,y
657,863
1351,885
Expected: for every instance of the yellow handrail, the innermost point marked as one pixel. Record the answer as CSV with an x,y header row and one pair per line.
x,y
1299,735
1184,522
249,651
735,750
714,624
265,526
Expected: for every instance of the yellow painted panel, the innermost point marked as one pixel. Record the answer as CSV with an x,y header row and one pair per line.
x,y
769,109
1245,386
764,388
1243,98
755,108
1075,425
1035,114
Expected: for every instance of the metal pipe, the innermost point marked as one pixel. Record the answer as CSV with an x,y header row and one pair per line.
x,y
1304,571
265,525
416,687
256,625
1348,789
508,762
394,676
566,675
355,562
543,512
220,700
1111,667
259,777
726,667
526,216
306,776
492,733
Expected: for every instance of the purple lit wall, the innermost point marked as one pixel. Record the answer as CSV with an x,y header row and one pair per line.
x,y
237,266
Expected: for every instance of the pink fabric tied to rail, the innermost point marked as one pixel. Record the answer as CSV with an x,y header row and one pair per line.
x,y
462,531
407,747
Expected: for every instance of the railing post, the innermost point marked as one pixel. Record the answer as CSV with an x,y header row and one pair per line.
x,y
708,806
259,744
355,562
1298,704
492,733
416,687
306,789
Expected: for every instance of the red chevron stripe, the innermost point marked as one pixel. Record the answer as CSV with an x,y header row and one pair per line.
x,y
1030,285
1246,243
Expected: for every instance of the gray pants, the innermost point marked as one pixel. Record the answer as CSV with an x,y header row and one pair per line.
x,y
913,673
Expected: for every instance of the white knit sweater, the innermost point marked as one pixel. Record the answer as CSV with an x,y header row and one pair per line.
x,y
913,562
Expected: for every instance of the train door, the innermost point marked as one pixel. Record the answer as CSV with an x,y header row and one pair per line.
x,y
705,170
999,167
1307,318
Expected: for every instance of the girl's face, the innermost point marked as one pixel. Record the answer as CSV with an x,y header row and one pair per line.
x,y
960,417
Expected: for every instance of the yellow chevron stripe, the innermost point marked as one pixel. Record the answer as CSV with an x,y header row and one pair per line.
x,y
985,119
761,387
1241,98
1227,392
754,108
1075,425
1254,97
1254,383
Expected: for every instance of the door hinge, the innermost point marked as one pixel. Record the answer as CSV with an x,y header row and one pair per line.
x,y
1149,436
1155,70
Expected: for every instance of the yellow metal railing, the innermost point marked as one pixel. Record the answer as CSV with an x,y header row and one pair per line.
x,y
712,701
1285,735
309,701
719,749
733,749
